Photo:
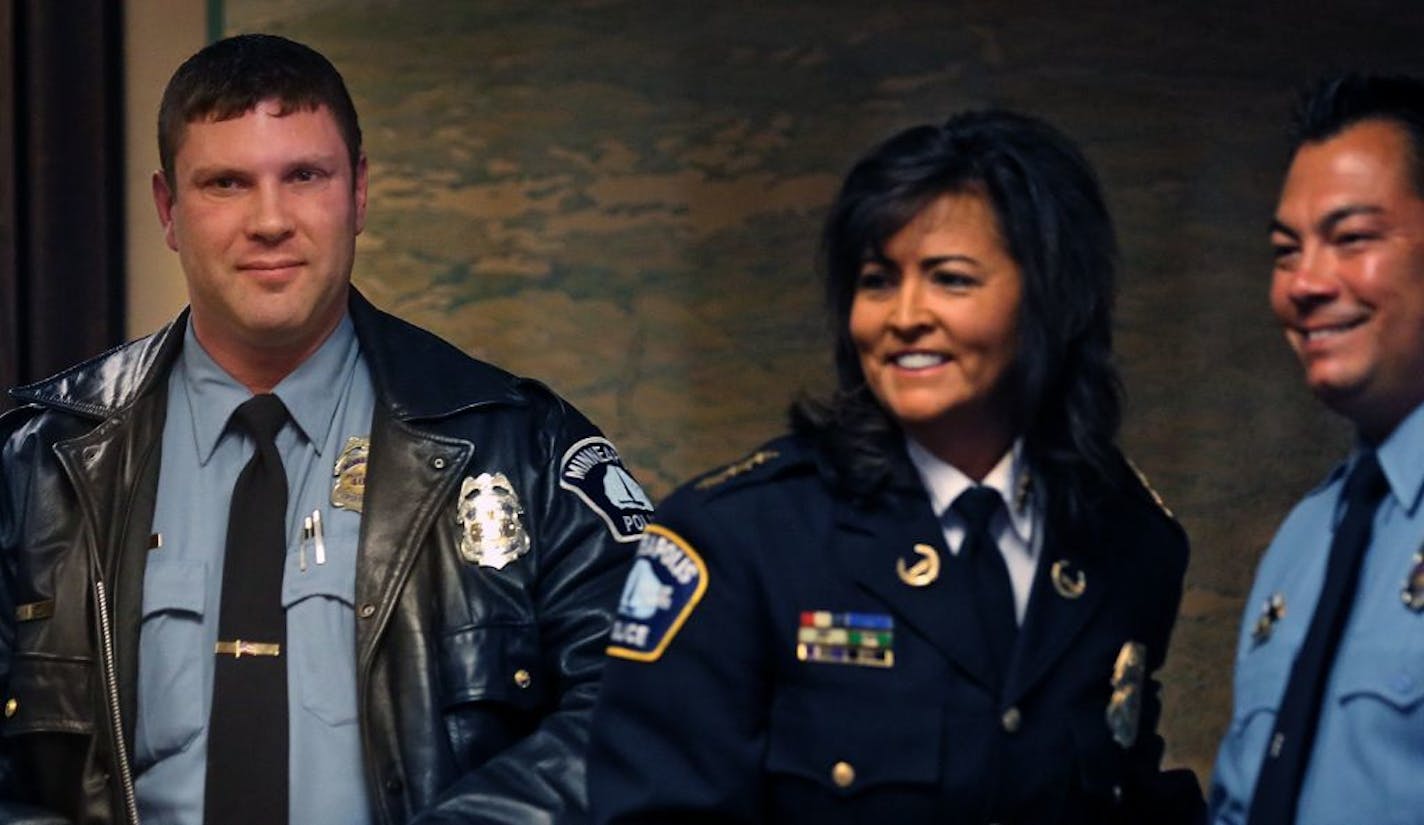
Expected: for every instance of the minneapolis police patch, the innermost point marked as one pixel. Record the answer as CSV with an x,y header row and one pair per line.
x,y
592,470
667,581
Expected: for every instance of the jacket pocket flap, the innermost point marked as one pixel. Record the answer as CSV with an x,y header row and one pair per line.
x,y
492,663
175,585
899,742
49,695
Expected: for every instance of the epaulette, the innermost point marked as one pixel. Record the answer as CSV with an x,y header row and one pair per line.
x,y
1148,488
767,461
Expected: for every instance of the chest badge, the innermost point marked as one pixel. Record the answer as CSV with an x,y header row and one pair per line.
x,y
1272,612
1125,706
1413,593
924,571
491,521
350,473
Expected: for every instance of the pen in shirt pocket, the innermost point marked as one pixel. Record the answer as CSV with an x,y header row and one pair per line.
x,y
312,532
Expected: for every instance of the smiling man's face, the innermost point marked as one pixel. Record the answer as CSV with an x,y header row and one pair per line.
x,y
1348,284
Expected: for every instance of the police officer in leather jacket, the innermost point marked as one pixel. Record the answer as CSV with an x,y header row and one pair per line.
x,y
494,520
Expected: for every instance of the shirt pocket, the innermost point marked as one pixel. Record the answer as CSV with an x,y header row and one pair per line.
x,y
321,630
838,758
1381,679
174,655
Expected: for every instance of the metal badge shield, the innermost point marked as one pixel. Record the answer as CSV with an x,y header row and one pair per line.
x,y
1413,592
1125,706
350,473
491,521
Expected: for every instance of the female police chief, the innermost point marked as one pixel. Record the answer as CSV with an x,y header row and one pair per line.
x,y
944,596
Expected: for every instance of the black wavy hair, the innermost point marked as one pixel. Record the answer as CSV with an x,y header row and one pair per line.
x,y
228,78
1051,213
1335,103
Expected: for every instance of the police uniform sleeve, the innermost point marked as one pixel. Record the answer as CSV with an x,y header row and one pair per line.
x,y
681,722
13,808
586,530
1151,794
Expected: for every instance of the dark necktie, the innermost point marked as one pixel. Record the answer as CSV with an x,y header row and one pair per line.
x,y
993,593
1288,752
247,729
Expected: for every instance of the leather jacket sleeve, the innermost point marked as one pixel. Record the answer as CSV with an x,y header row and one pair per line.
x,y
14,810
581,562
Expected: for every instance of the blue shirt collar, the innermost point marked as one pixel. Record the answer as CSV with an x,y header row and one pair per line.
x,y
307,392
1401,456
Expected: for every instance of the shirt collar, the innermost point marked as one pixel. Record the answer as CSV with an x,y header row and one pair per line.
x,y
1401,457
1010,477
307,392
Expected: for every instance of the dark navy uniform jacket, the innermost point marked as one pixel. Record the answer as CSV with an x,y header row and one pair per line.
x,y
710,713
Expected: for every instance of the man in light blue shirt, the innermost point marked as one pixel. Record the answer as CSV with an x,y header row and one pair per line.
x,y
1348,287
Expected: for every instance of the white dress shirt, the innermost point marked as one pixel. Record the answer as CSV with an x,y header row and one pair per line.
x,y
1017,529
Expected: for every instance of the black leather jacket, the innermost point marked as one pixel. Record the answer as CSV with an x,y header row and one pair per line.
x,y
474,684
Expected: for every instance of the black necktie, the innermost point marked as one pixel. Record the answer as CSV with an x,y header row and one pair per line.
x,y
1288,752
993,593
247,729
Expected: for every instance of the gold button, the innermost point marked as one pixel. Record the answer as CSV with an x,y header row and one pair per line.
x,y
1012,720
842,774
522,678
10,707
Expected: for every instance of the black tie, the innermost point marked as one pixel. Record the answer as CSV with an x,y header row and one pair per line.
x,y
1288,752
993,593
247,730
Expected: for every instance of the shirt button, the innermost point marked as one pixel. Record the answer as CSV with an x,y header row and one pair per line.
x,y
1011,720
842,774
10,707
367,610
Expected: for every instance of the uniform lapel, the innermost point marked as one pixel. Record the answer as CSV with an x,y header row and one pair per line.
x,y
868,543
1052,620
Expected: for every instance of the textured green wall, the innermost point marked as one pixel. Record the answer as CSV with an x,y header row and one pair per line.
x,y
622,196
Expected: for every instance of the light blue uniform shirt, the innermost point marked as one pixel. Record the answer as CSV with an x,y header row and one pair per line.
x,y
330,398
1369,745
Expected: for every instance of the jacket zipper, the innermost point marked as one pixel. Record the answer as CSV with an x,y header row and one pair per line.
x,y
111,689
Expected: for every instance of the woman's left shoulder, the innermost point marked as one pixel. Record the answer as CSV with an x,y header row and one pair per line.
x,y
1135,510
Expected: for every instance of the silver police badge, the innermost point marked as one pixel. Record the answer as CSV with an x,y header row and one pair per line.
x,y
491,521
349,491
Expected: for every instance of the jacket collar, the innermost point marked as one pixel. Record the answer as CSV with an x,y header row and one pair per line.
x,y
417,375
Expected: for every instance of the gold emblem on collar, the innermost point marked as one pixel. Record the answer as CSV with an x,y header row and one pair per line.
x,y
924,571
350,473
1069,581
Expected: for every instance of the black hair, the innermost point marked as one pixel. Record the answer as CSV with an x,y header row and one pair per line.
x,y
1335,103
228,78
1051,214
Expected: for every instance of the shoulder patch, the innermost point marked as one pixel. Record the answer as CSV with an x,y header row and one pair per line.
x,y
1147,485
667,581
737,468
592,470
